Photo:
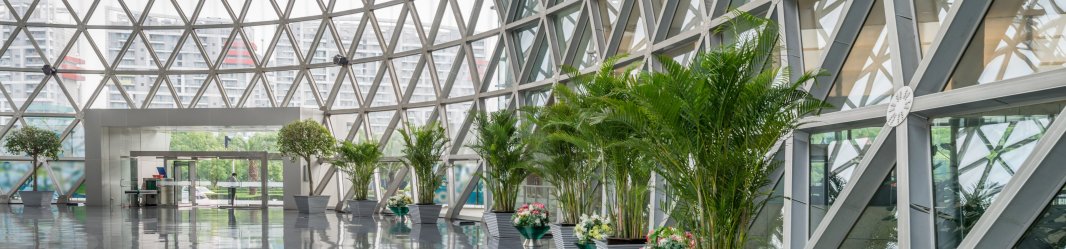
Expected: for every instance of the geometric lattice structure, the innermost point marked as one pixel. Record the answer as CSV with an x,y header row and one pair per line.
x,y
973,164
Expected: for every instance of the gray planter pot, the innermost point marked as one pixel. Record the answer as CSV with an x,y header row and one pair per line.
x,y
36,198
603,244
311,204
500,225
361,208
563,236
424,214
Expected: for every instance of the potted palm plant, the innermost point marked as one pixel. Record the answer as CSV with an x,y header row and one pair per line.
x,y
711,125
359,162
305,140
562,161
501,144
423,147
38,144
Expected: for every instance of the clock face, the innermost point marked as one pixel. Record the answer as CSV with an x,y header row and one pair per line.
x,y
900,106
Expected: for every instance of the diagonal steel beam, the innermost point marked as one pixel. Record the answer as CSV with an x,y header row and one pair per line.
x,y
876,164
1038,180
797,177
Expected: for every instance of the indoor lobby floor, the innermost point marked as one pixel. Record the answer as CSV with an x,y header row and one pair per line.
x,y
82,227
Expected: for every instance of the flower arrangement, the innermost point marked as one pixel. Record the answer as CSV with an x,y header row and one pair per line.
x,y
670,238
592,228
400,200
531,214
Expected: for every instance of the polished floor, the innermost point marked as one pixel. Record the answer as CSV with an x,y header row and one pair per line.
x,y
82,227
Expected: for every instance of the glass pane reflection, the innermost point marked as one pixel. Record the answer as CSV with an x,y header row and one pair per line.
x,y
833,157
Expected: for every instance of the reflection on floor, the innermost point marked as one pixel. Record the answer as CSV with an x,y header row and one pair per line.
x,y
83,227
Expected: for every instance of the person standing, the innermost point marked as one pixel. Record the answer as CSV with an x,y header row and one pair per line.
x,y
232,188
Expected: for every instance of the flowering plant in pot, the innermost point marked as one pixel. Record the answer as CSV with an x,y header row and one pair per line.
x,y
423,147
358,162
502,145
592,228
398,204
37,143
531,220
670,238
307,139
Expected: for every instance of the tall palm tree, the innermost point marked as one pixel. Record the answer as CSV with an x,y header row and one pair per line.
x,y
257,142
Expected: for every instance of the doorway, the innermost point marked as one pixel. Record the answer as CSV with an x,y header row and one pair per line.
x,y
205,178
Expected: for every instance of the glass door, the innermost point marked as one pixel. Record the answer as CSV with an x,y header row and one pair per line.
x,y
183,179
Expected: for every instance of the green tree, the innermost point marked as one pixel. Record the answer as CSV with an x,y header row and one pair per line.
x,y
306,139
257,142
502,144
423,147
358,161
35,143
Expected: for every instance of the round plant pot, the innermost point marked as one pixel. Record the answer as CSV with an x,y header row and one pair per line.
x,y
400,211
36,198
424,214
499,225
361,208
315,204
563,236
532,235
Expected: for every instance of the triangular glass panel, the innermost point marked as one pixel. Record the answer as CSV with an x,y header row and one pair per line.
x,y
259,38
15,57
79,54
543,66
214,12
424,90
284,52
535,97
186,86
866,78
342,124
482,52
365,75
409,34
67,173
188,7
239,55
493,104
448,29
470,139
488,17
527,8
347,26
524,39
214,41
325,78
378,122
419,116
611,9
834,156
457,114
211,97
385,94
427,11
464,82
137,57
503,76
346,95
11,172
368,44
259,96
406,67
74,143
445,59
976,155
930,15
263,10
6,106
51,99
304,9
137,87
137,8
304,97
305,33
876,226
52,41
112,97
386,20
565,25
818,24
634,36
164,98
164,13
394,146
189,57
767,229
49,11
687,17
587,55
235,85
342,6
327,47
1008,44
